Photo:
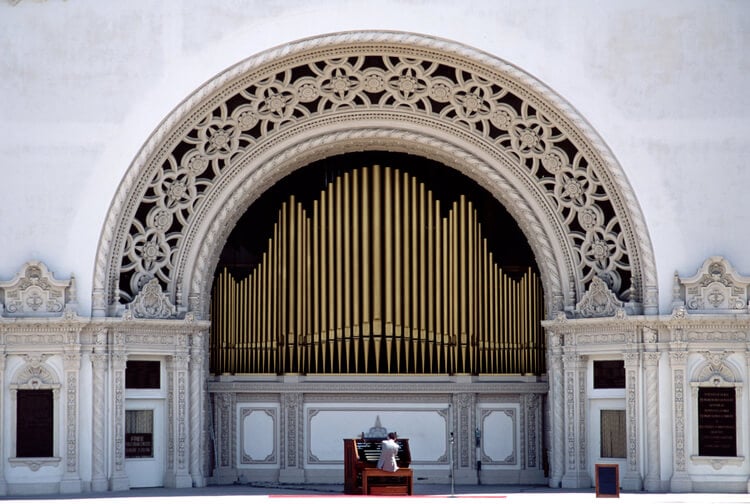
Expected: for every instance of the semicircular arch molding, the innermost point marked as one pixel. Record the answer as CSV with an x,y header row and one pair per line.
x,y
278,111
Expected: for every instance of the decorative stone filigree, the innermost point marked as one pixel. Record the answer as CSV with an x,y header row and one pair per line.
x,y
34,292
264,118
599,301
152,302
715,288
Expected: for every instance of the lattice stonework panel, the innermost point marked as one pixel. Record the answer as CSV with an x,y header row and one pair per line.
x,y
376,84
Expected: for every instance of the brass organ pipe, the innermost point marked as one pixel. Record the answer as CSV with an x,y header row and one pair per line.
x,y
257,319
398,280
489,351
301,286
269,356
447,295
377,288
439,288
268,292
415,329
407,267
422,280
291,286
339,273
455,298
366,273
431,274
330,218
323,232
347,236
493,311
388,225
398,283
471,221
355,269
315,342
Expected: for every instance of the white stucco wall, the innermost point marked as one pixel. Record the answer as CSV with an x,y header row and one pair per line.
x,y
85,82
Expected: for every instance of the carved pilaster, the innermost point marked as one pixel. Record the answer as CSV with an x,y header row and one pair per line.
x,y
3,484
631,480
178,475
71,482
653,458
465,454
119,479
197,410
292,471
574,372
99,362
557,410
680,481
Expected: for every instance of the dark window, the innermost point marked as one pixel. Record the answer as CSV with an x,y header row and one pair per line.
x,y
34,423
143,375
609,374
717,422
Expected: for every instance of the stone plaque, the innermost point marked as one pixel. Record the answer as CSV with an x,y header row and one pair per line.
x,y
717,422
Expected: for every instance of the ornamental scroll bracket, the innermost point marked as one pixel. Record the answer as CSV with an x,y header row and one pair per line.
x,y
715,288
34,292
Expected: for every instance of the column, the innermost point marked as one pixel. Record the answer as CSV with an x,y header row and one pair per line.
x,y
71,480
119,478
197,433
557,410
178,475
680,481
653,459
631,480
3,484
99,411
574,372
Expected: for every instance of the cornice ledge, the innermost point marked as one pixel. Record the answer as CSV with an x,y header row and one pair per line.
x,y
420,388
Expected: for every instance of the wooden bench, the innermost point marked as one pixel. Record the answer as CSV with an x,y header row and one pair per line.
x,y
391,483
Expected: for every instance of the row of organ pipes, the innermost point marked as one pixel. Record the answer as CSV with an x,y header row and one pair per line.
x,y
375,279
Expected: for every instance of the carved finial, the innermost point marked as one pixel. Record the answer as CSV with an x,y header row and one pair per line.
x,y
676,295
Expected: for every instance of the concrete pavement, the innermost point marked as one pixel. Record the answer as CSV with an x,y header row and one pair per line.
x,y
254,494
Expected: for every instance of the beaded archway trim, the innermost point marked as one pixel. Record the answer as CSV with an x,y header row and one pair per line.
x,y
277,111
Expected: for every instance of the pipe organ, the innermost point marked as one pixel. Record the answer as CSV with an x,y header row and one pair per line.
x,y
377,276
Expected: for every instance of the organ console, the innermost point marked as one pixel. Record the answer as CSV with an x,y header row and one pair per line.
x,y
361,475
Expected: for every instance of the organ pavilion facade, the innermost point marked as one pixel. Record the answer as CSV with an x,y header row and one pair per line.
x,y
373,230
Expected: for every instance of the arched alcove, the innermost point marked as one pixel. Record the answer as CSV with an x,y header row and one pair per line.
x,y
290,106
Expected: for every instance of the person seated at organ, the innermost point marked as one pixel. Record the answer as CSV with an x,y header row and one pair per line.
x,y
387,460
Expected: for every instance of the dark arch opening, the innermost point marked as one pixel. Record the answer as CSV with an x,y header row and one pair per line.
x,y
495,329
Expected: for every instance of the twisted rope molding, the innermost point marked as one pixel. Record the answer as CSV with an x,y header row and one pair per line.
x,y
107,260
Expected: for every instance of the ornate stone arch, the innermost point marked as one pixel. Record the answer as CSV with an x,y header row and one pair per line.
x,y
284,108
